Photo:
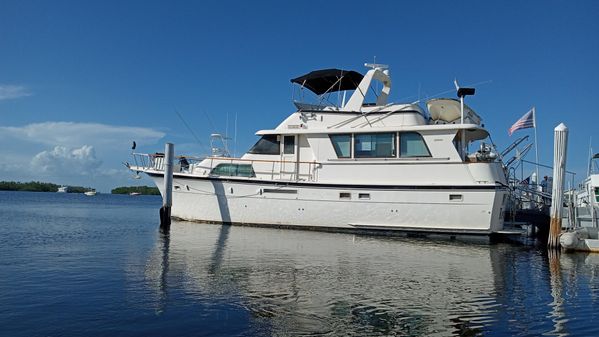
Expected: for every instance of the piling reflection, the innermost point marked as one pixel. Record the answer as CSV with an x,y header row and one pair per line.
x,y
156,271
557,313
302,282
219,249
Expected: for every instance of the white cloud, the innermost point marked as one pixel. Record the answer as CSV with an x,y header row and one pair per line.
x,y
83,154
62,161
12,91
72,134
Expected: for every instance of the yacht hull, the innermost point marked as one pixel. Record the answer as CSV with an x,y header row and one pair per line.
x,y
475,209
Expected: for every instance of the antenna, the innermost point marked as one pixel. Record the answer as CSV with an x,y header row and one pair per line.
x,y
226,142
189,128
235,138
590,168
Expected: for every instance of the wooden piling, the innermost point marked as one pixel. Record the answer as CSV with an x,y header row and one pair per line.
x,y
557,192
167,196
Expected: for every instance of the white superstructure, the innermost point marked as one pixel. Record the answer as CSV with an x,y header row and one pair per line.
x,y
584,201
354,165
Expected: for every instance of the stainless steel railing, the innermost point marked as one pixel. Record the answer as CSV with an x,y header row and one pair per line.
x,y
285,170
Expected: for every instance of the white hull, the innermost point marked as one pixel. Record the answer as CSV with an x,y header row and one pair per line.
x,y
410,208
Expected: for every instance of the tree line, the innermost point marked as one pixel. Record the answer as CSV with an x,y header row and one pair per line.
x,y
146,190
37,186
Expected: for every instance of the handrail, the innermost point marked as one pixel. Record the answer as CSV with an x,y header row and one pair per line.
x,y
228,159
305,169
262,160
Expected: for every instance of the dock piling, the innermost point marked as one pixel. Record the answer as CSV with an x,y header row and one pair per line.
x,y
167,197
560,144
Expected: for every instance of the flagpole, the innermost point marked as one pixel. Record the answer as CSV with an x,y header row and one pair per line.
x,y
534,115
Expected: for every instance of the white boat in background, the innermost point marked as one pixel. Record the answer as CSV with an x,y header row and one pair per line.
x,y
90,193
63,189
353,165
585,216
134,193
587,196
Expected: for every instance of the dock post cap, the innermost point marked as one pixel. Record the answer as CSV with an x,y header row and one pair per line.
x,y
561,127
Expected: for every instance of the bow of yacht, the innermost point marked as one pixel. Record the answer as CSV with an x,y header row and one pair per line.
x,y
356,164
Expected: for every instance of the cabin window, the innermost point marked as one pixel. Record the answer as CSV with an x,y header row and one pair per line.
x,y
288,144
268,144
597,194
374,145
342,145
411,144
233,170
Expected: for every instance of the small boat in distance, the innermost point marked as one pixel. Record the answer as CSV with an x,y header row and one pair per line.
x,y
63,189
90,193
134,193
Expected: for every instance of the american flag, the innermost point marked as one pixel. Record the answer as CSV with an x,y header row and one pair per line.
x,y
525,122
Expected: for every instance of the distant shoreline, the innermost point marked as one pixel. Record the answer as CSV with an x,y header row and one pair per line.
x,y
142,190
37,186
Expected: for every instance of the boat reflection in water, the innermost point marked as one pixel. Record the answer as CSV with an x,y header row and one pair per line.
x,y
313,283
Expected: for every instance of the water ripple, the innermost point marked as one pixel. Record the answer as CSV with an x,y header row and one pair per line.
x,y
70,266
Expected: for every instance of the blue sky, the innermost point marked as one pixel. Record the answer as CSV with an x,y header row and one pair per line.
x,y
80,80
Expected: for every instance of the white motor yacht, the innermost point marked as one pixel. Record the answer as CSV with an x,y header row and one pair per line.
x,y
354,165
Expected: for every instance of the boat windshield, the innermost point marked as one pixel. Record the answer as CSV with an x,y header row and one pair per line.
x,y
268,144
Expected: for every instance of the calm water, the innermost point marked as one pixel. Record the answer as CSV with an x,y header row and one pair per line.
x,y
72,265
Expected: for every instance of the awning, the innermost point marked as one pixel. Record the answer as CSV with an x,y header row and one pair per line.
x,y
329,80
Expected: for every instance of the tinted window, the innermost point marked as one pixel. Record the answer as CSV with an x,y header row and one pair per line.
x,y
289,144
378,145
268,144
411,144
342,145
235,170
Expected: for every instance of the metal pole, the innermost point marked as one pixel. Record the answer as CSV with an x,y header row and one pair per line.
x,y
167,195
462,109
534,116
559,167
463,131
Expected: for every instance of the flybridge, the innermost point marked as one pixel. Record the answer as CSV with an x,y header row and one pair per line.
x,y
326,81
